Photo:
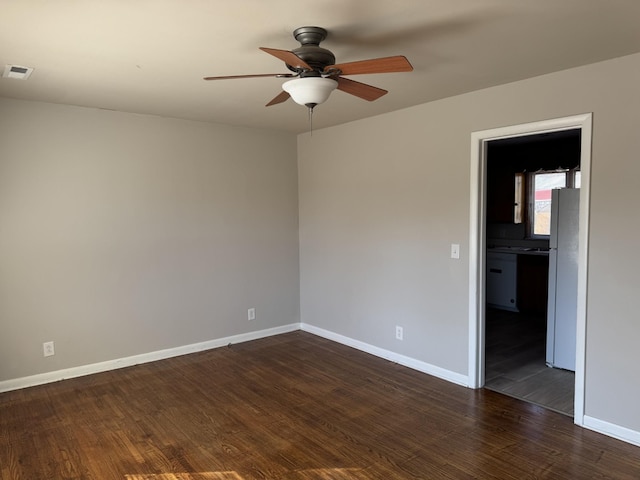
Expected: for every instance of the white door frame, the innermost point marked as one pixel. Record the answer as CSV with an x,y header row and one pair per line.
x,y
477,240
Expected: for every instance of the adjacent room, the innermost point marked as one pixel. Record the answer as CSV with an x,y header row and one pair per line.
x,y
530,281
204,275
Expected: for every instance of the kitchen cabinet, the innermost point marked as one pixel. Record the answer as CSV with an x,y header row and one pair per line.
x,y
502,271
505,197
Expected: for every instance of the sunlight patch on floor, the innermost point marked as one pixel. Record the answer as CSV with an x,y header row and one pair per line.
x,y
186,476
328,474
310,474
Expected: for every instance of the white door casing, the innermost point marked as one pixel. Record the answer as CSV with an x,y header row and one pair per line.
x,y
477,238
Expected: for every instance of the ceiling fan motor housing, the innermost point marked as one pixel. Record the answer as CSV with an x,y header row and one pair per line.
x,y
310,50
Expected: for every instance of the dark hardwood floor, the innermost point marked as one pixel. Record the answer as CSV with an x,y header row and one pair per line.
x,y
294,406
515,361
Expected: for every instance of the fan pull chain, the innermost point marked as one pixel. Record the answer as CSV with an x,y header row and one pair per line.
x,y
311,120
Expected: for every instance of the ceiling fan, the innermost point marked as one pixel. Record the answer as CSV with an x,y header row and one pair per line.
x,y
315,74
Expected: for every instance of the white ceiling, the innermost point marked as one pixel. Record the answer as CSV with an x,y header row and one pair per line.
x,y
149,56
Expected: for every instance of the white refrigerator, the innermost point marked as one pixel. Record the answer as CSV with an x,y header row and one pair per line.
x,y
563,279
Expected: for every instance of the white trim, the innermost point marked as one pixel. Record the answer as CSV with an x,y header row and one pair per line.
x,y
477,243
477,234
49,377
583,268
389,355
612,430
73,372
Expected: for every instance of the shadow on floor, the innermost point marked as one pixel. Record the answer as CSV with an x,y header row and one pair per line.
x,y
515,361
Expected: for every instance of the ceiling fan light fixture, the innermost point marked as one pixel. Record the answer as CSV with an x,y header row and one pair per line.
x,y
310,91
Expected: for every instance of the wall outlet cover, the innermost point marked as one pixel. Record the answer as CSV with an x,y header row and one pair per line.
x,y
399,332
48,349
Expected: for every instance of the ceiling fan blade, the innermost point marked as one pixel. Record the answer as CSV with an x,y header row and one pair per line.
x,y
231,77
281,97
398,63
288,57
362,90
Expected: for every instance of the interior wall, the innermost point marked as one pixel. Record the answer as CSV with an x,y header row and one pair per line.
x,y
378,216
124,234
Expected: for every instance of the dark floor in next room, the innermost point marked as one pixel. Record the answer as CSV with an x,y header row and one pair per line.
x,y
515,361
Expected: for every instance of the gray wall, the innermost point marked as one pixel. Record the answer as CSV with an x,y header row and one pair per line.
x,y
123,234
377,218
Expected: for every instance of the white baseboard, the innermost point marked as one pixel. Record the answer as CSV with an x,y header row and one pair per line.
x,y
612,430
57,375
389,355
42,378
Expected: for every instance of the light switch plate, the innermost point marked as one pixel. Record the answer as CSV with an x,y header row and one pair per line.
x,y
455,251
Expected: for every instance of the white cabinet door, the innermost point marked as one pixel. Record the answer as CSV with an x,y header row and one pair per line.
x,y
502,271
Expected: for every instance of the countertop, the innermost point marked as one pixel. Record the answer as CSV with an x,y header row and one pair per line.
x,y
520,250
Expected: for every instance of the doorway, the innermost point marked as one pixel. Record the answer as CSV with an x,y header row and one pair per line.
x,y
478,244
522,174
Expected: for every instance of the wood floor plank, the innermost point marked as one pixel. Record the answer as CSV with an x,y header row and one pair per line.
x,y
290,407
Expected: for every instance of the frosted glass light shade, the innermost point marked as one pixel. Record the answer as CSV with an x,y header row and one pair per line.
x,y
310,91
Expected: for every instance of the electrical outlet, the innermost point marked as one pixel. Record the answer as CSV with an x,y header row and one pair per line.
x,y
251,314
48,350
399,333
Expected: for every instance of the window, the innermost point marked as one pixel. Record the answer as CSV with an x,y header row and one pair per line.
x,y
540,185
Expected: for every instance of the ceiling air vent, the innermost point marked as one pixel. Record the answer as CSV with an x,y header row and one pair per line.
x,y
17,72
